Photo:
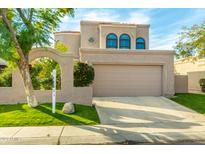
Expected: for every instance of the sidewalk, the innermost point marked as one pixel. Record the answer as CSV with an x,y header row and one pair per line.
x,y
102,134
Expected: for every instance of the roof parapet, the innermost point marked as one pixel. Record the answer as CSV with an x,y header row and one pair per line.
x,y
67,32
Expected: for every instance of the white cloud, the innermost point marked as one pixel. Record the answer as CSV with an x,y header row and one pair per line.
x,y
69,23
100,16
65,19
138,18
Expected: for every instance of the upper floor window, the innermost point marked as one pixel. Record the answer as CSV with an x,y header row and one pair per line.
x,y
125,41
140,43
111,41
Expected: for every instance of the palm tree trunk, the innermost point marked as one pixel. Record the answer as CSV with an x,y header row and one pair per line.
x,y
30,96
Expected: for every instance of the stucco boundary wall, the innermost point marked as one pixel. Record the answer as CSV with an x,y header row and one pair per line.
x,y
193,80
79,95
181,84
189,83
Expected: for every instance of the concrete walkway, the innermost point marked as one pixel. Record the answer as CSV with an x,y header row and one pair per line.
x,y
141,120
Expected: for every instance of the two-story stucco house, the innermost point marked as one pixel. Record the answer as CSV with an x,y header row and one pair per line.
x,y
120,55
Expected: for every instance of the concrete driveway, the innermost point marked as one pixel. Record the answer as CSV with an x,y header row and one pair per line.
x,y
158,112
150,120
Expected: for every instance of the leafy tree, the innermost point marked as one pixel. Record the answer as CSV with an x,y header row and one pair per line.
x,y
22,29
191,44
41,73
60,46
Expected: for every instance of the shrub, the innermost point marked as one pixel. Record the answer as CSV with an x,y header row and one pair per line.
x,y
202,82
5,77
83,74
40,71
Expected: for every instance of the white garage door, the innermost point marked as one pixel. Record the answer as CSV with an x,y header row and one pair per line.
x,y
126,80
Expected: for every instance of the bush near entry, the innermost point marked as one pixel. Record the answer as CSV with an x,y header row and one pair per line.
x,y
83,74
5,77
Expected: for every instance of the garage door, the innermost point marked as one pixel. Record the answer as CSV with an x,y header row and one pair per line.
x,y
126,80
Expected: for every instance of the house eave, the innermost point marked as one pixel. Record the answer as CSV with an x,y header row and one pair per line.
x,y
126,52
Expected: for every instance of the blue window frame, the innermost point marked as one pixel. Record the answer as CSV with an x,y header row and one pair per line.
x,y
140,43
111,41
124,41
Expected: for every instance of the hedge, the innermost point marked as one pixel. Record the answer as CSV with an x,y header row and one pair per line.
x,y
83,74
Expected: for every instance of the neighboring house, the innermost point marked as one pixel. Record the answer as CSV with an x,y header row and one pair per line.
x,y
188,74
120,55
182,67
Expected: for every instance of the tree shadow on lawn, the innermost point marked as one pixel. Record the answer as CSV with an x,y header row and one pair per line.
x,y
77,118
11,107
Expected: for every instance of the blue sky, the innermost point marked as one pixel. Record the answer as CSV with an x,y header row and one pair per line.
x,y
165,24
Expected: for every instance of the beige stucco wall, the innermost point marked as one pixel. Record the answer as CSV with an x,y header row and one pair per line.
x,y
87,30
71,40
193,80
181,83
16,93
148,57
82,95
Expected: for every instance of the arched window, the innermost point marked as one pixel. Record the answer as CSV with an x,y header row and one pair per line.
x,y
140,43
125,41
111,41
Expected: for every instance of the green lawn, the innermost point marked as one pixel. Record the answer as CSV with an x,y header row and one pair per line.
x,y
22,115
193,101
